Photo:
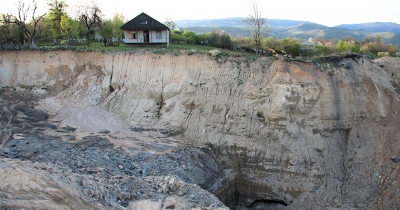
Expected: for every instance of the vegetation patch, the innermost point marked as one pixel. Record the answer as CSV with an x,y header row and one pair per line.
x,y
261,117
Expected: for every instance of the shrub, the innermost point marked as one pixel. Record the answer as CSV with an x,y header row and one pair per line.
x,y
177,37
190,36
382,54
220,39
343,46
261,116
290,46
244,43
378,46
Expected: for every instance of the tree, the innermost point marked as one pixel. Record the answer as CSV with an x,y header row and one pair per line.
x,y
170,23
53,20
258,27
69,27
21,20
290,46
220,39
343,46
91,17
378,46
117,21
367,39
244,43
348,38
190,36
320,38
177,37
5,28
272,43
42,29
106,31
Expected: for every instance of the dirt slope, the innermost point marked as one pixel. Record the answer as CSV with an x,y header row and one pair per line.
x,y
288,134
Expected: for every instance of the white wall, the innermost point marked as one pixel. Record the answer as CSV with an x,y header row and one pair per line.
x,y
152,37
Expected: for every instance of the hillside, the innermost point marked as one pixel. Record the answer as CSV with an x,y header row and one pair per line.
x,y
298,29
232,22
374,27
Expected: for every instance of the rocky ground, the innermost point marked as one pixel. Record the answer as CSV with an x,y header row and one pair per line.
x,y
46,166
142,130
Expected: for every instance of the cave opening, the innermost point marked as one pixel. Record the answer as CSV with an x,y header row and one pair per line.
x,y
243,194
267,204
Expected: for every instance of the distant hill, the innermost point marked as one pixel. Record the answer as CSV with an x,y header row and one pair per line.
x,y
374,27
233,22
389,32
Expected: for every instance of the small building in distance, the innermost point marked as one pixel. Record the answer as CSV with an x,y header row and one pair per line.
x,y
144,29
307,45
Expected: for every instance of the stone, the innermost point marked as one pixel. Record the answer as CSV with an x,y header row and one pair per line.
x,y
104,131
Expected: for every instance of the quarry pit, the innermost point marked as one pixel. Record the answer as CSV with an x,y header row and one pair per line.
x,y
138,130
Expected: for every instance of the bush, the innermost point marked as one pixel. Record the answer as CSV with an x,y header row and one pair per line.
x,y
271,43
294,49
191,37
202,38
288,45
177,37
382,54
320,49
220,39
244,43
343,46
378,46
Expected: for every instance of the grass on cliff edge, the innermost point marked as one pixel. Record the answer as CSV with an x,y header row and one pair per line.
x,y
174,49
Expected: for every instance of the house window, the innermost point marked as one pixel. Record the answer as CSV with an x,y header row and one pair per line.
x,y
132,35
158,34
143,20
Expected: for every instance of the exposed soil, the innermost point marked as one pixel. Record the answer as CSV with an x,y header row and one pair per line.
x,y
104,170
92,130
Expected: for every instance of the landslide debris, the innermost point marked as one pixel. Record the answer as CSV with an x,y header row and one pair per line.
x,y
41,171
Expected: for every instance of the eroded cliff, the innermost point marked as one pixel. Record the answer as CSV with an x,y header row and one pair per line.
x,y
287,133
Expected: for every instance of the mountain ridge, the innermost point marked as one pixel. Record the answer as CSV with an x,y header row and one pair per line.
x,y
281,28
234,22
374,27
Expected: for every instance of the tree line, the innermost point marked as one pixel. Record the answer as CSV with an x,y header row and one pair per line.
x,y
261,43
57,26
286,46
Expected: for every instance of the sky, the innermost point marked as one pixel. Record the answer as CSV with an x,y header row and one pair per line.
x,y
325,12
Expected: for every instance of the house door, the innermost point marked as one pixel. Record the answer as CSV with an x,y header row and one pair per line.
x,y
146,36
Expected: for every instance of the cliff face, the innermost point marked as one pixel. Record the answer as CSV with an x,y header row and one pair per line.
x,y
288,133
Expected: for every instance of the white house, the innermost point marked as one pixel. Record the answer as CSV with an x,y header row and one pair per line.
x,y
144,29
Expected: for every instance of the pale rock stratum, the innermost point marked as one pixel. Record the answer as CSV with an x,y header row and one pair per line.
x,y
269,133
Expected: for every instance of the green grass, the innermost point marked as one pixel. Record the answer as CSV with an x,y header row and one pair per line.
x,y
173,49
201,48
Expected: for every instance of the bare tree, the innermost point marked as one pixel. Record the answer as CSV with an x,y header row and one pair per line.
x,y
258,26
170,23
21,20
367,39
91,17
320,38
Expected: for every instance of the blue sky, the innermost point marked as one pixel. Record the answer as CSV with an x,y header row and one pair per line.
x,y
326,12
